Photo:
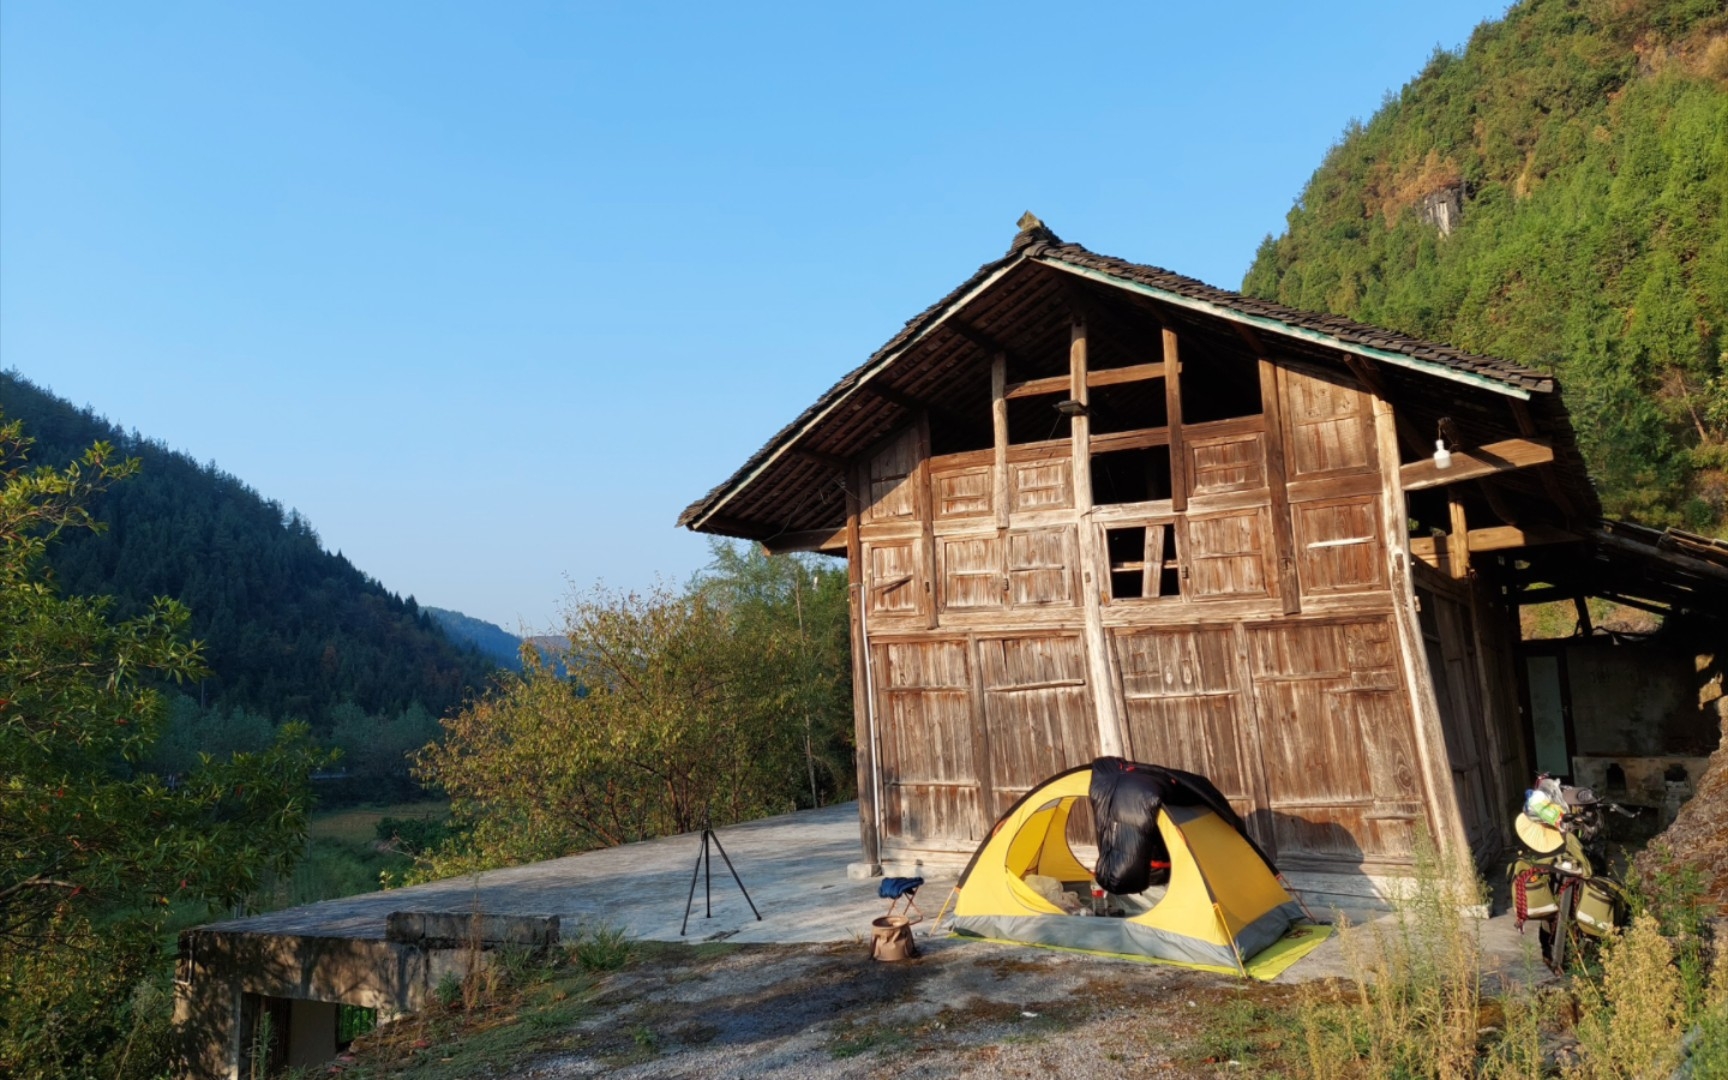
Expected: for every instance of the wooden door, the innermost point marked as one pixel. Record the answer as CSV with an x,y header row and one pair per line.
x,y
1451,647
1334,732
1038,716
930,788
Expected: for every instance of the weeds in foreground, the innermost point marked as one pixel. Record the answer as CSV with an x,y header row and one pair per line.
x,y
506,1004
1418,980
1651,1000
601,947
1630,1023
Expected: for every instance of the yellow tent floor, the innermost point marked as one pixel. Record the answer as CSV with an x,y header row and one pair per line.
x,y
1301,939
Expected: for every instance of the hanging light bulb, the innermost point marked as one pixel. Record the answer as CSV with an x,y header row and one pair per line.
x,y
1442,456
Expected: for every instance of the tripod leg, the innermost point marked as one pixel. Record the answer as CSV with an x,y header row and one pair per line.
x,y
707,874
739,880
692,897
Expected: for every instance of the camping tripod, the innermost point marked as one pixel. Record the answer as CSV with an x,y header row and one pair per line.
x,y
702,866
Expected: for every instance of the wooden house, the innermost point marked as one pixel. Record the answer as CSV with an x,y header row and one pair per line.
x,y
1093,507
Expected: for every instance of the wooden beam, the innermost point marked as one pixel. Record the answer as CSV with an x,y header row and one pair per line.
x,y
1445,818
1094,560
1546,596
1130,440
863,697
1283,537
892,396
1458,545
733,526
925,501
1131,373
1173,410
1505,537
1470,464
1056,384
999,440
1690,565
976,336
833,461
1582,606
826,541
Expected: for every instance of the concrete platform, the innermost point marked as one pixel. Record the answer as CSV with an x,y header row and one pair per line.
x,y
794,867
296,965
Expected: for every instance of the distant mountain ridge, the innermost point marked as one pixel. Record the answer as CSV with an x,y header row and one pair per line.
x,y
491,639
290,629
1555,193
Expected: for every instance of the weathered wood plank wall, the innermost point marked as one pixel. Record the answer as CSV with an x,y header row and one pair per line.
x,y
1246,624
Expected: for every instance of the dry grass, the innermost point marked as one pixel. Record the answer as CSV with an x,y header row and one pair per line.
x,y
1629,1024
1418,986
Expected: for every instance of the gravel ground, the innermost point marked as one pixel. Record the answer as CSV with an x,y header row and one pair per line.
x,y
970,1009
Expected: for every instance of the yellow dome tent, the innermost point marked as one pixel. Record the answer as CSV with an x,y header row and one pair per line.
x,y
1224,909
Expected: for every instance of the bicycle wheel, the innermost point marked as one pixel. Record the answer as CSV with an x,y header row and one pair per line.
x,y
1566,899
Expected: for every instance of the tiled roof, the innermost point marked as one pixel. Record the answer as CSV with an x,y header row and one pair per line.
x,y
1037,243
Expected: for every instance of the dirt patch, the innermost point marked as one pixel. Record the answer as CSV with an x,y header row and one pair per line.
x,y
963,1009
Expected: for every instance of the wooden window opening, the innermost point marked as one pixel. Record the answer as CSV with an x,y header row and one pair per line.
x,y
1143,562
1137,475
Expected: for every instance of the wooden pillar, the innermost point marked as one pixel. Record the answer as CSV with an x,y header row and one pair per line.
x,y
1445,819
1173,409
1458,544
1094,577
924,502
999,425
1283,535
863,727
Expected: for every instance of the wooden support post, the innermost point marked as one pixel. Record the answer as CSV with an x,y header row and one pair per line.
x,y
1173,409
1583,607
925,502
1445,818
863,726
1283,535
999,425
1094,563
1458,542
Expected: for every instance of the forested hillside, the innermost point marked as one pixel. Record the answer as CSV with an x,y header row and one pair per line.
x,y
290,630
1556,194
497,643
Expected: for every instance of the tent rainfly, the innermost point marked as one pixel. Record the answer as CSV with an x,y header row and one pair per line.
x,y
1223,907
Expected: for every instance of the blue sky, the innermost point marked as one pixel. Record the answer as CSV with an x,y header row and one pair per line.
x,y
489,292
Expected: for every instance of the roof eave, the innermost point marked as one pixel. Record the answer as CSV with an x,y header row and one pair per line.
x,y
881,364
1278,326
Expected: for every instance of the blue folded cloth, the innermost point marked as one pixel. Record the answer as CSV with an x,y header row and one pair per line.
x,y
893,888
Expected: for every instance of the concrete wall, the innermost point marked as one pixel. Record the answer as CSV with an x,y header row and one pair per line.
x,y
1638,699
219,970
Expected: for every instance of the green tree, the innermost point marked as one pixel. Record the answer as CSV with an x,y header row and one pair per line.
x,y
1588,142
713,703
98,853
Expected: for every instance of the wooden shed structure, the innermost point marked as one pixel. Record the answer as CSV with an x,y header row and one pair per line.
x,y
1094,507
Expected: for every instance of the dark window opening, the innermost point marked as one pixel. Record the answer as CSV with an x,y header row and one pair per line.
x,y
1035,419
1131,476
1219,385
1616,778
1428,511
957,433
1134,566
1128,406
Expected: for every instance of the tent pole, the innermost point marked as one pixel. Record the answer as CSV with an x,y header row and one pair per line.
x,y
1296,896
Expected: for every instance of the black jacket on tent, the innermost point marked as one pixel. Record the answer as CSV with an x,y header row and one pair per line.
x,y
1125,799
